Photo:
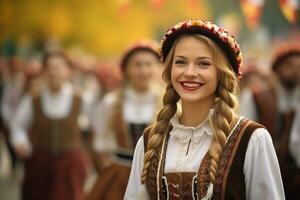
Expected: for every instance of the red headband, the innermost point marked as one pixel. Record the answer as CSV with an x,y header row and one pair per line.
x,y
283,53
143,45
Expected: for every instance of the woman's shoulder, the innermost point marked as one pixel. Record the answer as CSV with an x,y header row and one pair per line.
x,y
259,135
249,133
257,129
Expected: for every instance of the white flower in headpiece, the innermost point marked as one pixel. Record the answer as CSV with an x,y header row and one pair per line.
x,y
209,25
177,26
231,40
168,32
216,28
223,35
200,22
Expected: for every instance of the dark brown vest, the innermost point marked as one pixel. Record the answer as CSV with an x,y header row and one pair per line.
x,y
230,180
126,140
122,134
266,106
55,135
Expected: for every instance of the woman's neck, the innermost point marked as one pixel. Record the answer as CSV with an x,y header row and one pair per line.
x,y
193,113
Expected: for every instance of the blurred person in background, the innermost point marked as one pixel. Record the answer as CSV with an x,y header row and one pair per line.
x,y
83,75
3,142
32,74
109,77
120,118
46,134
254,97
286,66
84,80
276,107
12,92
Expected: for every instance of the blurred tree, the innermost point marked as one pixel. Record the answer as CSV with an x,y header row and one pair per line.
x,y
107,26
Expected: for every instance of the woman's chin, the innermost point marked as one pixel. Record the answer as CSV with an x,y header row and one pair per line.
x,y
190,98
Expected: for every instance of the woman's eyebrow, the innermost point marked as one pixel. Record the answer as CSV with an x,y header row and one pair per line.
x,y
179,56
204,57
201,57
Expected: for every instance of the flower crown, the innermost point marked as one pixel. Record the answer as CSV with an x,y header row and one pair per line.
x,y
195,26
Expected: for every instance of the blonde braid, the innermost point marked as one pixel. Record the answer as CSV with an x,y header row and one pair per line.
x,y
158,130
225,105
222,117
163,118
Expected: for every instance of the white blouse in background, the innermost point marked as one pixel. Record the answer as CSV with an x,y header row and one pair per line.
x,y
138,107
261,169
294,142
287,100
54,105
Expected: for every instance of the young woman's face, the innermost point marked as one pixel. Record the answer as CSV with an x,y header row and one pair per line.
x,y
57,72
193,72
140,70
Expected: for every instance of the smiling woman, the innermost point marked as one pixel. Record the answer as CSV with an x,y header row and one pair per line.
x,y
207,151
193,77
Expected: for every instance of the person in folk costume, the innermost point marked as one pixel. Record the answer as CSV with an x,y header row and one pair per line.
x,y
285,94
206,151
286,66
46,134
32,72
12,92
276,108
291,167
120,119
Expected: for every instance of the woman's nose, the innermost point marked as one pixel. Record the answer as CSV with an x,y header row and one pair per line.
x,y
190,71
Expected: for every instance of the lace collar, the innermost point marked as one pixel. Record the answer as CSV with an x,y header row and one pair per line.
x,y
186,133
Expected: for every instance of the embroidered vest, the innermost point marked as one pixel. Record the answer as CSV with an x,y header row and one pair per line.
x,y
230,178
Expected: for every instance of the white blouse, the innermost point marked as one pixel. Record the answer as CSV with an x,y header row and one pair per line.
x,y
294,142
54,105
287,100
138,107
261,168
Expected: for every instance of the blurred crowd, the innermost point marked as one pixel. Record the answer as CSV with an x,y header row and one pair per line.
x,y
67,117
